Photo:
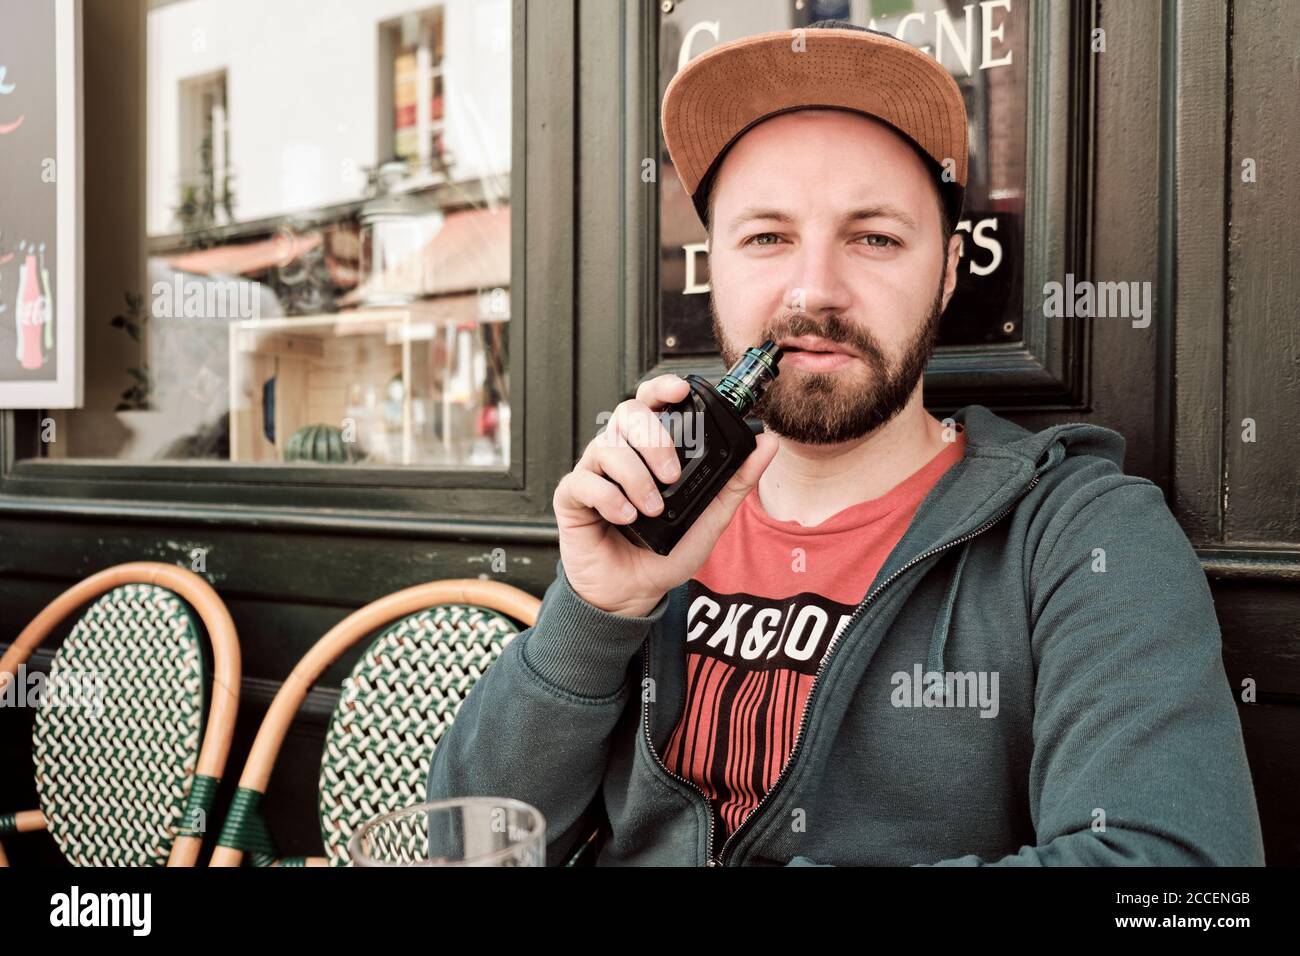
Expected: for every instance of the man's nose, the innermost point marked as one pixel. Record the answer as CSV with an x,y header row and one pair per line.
x,y
818,280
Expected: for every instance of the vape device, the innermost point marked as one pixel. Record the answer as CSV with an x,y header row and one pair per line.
x,y
712,440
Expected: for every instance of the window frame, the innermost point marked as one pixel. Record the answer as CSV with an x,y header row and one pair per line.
x,y
542,266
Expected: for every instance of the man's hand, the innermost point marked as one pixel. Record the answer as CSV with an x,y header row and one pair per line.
x,y
604,568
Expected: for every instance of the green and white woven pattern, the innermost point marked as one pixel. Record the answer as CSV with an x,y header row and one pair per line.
x,y
393,710
113,779
401,839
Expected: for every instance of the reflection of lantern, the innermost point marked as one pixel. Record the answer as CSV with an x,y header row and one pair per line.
x,y
395,229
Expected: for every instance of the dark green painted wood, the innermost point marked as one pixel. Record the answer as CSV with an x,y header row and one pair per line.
x,y
340,571
1198,246
1271,732
1262,479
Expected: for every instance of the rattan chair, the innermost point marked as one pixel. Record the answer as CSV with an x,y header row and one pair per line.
x,y
399,700
125,766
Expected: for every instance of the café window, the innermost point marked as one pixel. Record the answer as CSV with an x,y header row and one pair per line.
x,y
205,188
328,229
983,45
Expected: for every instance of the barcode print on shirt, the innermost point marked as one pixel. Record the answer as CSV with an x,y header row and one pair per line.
x,y
760,711
750,664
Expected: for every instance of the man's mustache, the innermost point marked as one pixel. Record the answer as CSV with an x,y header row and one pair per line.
x,y
834,330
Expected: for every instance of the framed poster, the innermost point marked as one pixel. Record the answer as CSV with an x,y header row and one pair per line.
x,y
40,204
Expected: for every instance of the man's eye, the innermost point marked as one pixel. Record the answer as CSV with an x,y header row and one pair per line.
x,y
884,243
753,240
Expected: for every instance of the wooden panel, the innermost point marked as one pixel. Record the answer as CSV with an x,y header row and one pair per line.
x,y
1262,482
1125,235
1273,747
1199,180
277,565
1257,619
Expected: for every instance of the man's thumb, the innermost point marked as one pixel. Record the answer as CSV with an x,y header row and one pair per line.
x,y
706,531
746,477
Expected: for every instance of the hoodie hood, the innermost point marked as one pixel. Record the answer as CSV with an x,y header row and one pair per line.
x,y
1003,461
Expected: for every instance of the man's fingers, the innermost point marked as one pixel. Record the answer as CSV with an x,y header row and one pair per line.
x,y
663,390
624,466
582,491
634,424
747,475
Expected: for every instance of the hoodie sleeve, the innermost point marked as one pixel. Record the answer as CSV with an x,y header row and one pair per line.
x,y
537,725
1138,752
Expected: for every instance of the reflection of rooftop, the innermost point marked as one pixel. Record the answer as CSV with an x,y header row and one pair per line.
x,y
471,251
246,258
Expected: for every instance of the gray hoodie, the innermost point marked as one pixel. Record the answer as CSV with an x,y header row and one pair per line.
x,y
1034,568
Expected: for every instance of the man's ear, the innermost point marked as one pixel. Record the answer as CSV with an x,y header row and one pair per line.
x,y
954,260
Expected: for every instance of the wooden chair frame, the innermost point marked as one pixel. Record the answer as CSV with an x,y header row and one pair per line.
x,y
221,635
495,595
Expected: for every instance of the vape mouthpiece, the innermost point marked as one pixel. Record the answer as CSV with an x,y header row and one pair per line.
x,y
745,381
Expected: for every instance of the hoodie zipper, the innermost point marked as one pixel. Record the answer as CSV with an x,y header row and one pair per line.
x,y
719,859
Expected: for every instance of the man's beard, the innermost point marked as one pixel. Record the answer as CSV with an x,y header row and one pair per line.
x,y
828,408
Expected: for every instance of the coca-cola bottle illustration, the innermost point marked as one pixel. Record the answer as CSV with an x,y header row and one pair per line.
x,y
49,303
31,316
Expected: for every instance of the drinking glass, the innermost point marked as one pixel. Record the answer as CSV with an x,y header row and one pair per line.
x,y
462,831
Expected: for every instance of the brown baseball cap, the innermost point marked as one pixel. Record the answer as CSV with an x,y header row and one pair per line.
x,y
831,64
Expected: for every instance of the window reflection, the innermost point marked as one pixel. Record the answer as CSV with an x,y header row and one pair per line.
x,y
328,219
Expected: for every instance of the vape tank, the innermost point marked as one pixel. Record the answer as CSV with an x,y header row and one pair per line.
x,y
712,440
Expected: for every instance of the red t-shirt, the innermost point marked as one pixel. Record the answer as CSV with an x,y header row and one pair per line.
x,y
760,614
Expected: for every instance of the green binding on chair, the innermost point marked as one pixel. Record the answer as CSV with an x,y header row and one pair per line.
x,y
194,820
245,828
116,755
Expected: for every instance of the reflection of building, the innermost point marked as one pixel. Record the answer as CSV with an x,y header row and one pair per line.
x,y
1005,130
267,125
270,193
310,100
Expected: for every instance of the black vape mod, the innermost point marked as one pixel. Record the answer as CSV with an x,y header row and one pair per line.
x,y
712,439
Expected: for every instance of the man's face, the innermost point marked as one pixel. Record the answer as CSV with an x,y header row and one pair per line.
x,y
827,235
